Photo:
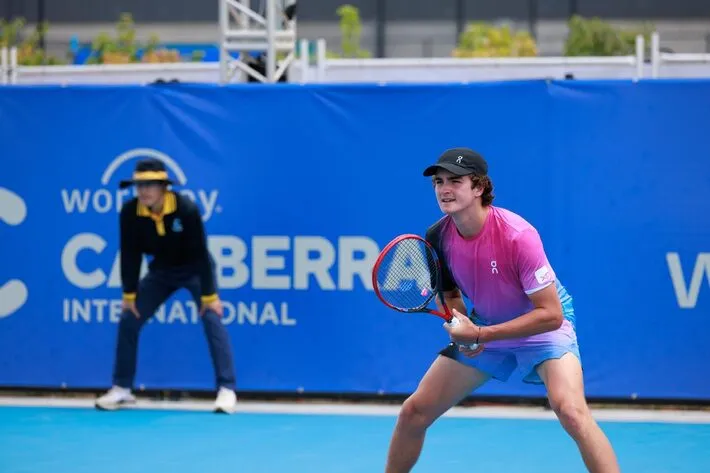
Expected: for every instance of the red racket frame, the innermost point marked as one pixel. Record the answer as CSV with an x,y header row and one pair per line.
x,y
448,317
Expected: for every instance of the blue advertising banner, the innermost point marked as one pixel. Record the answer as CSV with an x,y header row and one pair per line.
x,y
301,186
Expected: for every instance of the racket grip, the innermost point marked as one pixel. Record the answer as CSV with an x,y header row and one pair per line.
x,y
455,323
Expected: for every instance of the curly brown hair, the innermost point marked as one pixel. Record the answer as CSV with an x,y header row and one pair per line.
x,y
487,185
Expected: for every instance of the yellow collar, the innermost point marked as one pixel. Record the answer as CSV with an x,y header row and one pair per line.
x,y
169,206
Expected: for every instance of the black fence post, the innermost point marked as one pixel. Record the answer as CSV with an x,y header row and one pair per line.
x,y
381,28
460,18
40,19
532,17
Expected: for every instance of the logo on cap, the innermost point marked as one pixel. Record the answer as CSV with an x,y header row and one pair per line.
x,y
459,159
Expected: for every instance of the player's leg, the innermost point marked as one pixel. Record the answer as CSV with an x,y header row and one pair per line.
x,y
153,290
220,348
565,389
445,384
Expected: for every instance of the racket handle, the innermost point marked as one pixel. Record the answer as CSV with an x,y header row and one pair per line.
x,y
455,323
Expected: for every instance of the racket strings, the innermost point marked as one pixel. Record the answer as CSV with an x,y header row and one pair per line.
x,y
407,275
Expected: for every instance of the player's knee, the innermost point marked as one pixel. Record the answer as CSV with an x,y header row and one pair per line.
x,y
573,414
417,413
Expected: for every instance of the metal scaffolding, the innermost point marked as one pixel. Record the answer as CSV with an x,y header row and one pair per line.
x,y
257,44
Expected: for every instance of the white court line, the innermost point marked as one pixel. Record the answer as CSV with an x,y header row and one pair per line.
x,y
314,408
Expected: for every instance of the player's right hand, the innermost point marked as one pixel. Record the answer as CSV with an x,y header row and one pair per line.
x,y
131,306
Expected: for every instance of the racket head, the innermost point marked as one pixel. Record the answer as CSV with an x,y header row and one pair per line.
x,y
406,276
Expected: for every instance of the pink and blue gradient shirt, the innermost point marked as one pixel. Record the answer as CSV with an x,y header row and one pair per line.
x,y
497,270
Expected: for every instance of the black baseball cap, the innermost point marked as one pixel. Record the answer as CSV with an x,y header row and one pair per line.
x,y
459,161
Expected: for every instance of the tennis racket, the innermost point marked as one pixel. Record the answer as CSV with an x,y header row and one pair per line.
x,y
406,277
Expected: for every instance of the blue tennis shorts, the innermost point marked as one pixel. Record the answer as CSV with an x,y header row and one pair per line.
x,y
501,363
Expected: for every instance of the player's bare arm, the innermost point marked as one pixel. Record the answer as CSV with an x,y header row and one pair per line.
x,y
545,317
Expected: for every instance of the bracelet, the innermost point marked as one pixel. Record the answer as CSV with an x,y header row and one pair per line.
x,y
478,335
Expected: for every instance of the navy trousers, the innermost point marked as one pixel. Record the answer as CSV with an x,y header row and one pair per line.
x,y
153,290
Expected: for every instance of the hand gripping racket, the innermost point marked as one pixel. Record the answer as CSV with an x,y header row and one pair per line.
x,y
406,277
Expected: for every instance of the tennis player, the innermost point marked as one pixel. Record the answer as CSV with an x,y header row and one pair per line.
x,y
167,225
523,316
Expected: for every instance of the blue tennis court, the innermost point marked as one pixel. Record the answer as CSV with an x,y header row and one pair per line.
x,y
80,439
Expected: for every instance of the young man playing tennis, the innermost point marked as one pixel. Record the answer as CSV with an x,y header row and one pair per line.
x,y
167,225
523,316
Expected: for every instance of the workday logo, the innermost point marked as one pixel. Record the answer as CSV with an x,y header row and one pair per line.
x,y
107,199
13,293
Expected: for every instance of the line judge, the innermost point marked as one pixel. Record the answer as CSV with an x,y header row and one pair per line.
x,y
168,226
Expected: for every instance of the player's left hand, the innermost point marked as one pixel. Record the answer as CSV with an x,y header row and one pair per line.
x,y
465,333
215,306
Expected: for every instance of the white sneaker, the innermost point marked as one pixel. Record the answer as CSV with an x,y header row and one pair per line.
x,y
114,398
226,402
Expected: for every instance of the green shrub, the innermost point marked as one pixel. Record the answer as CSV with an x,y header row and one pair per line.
x,y
350,30
28,51
486,40
595,37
